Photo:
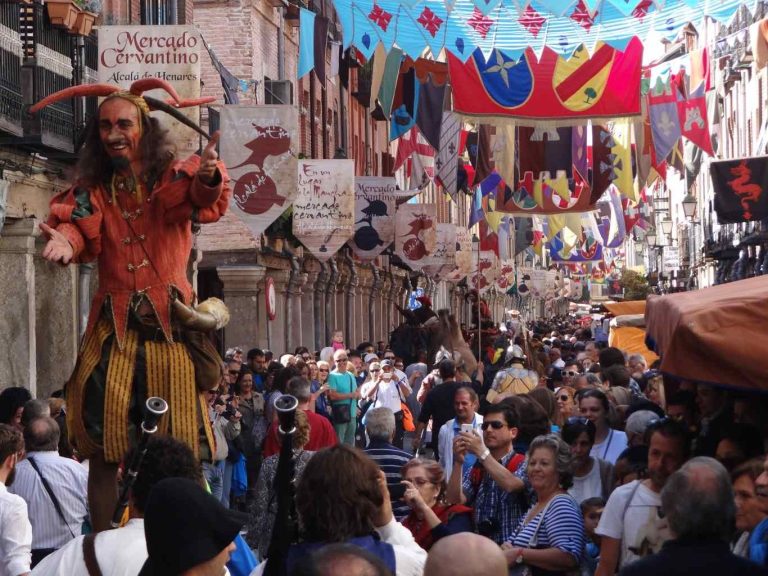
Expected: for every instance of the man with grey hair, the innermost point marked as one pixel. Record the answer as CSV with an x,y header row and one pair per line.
x,y
380,429
54,488
699,505
637,365
321,433
34,409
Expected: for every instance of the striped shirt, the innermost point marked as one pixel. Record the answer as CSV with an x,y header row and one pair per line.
x,y
391,461
562,527
69,482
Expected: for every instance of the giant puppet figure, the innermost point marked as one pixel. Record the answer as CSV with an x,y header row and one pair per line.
x,y
131,209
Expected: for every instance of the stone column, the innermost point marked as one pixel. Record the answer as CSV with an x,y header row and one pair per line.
x,y
318,298
374,330
243,287
17,299
330,302
296,279
389,302
280,326
57,333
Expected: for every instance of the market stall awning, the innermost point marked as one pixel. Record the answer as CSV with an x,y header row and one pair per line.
x,y
715,335
623,308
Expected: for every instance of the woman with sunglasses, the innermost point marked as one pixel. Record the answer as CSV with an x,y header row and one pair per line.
x,y
386,390
431,517
592,477
566,404
609,443
319,389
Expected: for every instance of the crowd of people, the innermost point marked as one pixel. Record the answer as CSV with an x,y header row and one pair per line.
x,y
559,455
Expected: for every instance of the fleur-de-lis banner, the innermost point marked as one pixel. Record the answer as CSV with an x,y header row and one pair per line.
x,y
375,204
259,146
415,233
324,209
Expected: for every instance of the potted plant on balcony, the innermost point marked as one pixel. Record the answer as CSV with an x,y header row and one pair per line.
x,y
89,11
62,13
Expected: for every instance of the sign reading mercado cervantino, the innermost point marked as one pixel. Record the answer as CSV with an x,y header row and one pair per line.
x,y
171,53
324,209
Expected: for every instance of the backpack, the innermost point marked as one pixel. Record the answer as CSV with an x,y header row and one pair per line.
x,y
477,473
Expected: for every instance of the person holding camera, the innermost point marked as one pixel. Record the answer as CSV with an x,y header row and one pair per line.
x,y
224,417
496,486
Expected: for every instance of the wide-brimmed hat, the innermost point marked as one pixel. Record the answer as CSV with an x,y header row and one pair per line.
x,y
185,526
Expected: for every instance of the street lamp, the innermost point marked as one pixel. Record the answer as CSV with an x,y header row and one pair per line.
x,y
689,205
666,227
650,236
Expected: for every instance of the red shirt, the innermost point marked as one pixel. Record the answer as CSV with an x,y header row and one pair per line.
x,y
321,435
124,237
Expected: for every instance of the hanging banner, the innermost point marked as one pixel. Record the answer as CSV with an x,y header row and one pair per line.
x,y
604,84
375,204
506,277
741,189
259,145
324,209
415,233
462,260
486,271
524,281
538,283
442,259
171,53
447,162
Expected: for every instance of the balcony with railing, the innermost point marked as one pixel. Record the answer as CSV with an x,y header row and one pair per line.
x,y
37,59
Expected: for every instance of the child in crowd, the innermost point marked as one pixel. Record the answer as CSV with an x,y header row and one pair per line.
x,y
591,510
338,341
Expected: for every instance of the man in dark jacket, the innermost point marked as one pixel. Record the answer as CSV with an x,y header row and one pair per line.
x,y
699,505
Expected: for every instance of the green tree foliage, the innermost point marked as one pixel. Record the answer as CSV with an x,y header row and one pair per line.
x,y
634,284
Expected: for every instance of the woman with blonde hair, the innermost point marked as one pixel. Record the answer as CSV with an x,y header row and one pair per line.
x,y
319,389
431,517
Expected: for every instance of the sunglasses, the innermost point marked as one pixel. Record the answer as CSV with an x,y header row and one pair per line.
x,y
374,370
495,424
341,359
234,372
570,373
564,397
577,420
322,369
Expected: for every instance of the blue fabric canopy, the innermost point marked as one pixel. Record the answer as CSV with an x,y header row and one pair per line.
x,y
461,26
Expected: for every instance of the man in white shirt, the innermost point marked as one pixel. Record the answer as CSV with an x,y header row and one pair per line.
x,y
387,389
465,403
54,488
15,529
122,552
631,526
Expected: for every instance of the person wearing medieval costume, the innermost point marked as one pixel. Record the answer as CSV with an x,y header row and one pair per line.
x,y
132,209
424,315
514,379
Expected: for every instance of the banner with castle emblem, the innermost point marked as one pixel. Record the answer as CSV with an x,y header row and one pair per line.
x,y
415,233
375,204
324,209
259,145
741,189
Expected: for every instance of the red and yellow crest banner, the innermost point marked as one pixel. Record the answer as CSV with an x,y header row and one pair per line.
x,y
604,84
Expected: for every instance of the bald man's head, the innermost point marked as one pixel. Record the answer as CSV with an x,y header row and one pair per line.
x,y
465,554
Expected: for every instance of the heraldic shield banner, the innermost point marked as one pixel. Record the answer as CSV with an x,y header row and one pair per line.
x,y
375,204
324,209
415,233
259,145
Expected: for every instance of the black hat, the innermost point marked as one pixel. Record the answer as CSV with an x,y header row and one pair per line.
x,y
185,526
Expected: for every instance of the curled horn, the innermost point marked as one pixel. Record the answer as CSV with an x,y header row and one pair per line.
x,y
140,86
190,102
73,92
155,104
210,315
